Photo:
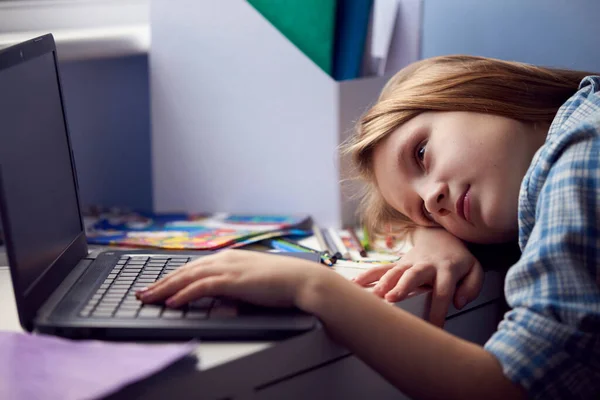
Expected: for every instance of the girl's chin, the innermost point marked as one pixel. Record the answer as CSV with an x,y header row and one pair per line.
x,y
487,236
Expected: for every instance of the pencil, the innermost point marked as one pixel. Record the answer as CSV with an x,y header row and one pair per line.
x,y
293,247
361,249
283,245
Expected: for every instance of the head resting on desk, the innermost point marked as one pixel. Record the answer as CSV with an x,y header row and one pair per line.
x,y
449,141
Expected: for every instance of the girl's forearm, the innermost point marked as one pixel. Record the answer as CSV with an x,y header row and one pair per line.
x,y
418,358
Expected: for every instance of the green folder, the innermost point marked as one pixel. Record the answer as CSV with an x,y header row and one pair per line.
x,y
308,24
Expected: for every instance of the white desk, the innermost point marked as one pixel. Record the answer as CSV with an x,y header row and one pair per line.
x,y
306,366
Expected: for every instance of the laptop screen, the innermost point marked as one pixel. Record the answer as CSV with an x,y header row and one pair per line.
x,y
38,181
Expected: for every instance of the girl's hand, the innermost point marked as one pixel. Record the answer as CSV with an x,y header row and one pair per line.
x,y
438,259
260,278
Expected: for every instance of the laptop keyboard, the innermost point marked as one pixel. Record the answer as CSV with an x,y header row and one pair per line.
x,y
115,298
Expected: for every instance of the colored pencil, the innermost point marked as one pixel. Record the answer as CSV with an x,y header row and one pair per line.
x,y
361,249
292,247
286,246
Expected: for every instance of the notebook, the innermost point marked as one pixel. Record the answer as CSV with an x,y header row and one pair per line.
x,y
181,231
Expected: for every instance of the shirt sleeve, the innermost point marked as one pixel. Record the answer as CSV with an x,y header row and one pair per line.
x,y
549,342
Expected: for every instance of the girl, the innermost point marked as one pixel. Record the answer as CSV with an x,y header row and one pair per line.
x,y
465,148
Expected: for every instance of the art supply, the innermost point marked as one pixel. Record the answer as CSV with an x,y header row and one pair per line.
x,y
357,242
351,247
53,368
322,244
190,231
365,239
292,247
339,244
284,245
334,251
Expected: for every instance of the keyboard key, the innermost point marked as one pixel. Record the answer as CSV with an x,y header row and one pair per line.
x,y
150,311
138,285
146,281
156,263
179,259
102,313
86,311
110,300
172,314
128,274
132,300
130,307
116,293
113,297
91,303
122,284
132,268
126,313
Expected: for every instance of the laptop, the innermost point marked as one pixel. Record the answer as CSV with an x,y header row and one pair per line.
x,y
59,288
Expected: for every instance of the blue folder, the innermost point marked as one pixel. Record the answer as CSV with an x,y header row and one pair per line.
x,y
352,21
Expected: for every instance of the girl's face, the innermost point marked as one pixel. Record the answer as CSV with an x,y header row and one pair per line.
x,y
458,170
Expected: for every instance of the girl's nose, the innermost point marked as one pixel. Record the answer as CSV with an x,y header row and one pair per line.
x,y
437,199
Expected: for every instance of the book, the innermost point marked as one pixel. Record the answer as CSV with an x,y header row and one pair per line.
x,y
180,231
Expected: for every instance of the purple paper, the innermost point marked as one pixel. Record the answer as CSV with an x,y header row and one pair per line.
x,y
47,367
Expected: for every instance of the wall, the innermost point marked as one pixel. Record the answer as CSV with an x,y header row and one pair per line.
x,y
107,103
562,33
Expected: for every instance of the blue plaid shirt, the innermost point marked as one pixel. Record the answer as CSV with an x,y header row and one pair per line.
x,y
550,340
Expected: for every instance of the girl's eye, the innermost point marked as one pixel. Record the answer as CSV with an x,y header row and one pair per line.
x,y
420,152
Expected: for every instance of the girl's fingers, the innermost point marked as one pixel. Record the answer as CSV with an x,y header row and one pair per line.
x,y
168,287
183,269
469,288
373,274
411,279
207,287
443,291
390,279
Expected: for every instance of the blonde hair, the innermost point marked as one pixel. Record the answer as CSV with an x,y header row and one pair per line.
x,y
519,91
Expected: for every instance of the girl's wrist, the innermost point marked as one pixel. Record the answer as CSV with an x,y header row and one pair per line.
x,y
317,285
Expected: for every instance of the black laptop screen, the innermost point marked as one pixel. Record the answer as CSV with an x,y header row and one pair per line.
x,y
39,186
